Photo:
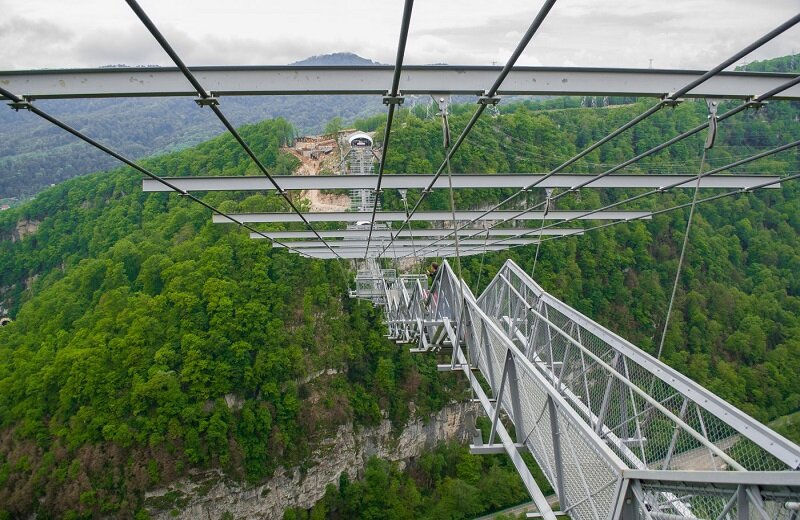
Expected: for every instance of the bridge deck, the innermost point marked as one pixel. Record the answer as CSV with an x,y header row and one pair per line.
x,y
617,433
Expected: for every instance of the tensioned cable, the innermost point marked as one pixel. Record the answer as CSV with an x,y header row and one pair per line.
x,y
712,198
483,257
757,101
547,208
393,99
523,154
712,135
462,306
667,188
700,201
446,141
683,253
488,98
677,207
538,246
669,100
410,232
213,102
726,167
22,104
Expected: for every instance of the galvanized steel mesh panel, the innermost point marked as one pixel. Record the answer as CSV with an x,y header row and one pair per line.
x,y
610,409
636,411
588,478
703,501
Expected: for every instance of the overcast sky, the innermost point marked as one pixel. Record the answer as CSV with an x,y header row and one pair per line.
x,y
694,34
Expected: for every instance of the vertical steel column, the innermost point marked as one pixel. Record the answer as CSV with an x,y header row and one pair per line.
x,y
601,416
498,396
742,504
676,431
555,430
513,390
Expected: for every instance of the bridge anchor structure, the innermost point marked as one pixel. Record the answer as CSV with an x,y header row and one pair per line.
x,y
617,433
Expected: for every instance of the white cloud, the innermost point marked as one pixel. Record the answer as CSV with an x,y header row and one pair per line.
x,y
622,33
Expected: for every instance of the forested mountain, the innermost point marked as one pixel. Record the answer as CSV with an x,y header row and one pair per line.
x,y
783,64
144,316
147,342
34,154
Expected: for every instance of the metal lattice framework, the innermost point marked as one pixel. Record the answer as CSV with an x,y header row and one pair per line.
x,y
617,433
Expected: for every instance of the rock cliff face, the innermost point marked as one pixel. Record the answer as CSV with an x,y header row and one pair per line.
x,y
24,228
209,495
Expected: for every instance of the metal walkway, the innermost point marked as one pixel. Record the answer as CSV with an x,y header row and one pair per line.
x,y
617,433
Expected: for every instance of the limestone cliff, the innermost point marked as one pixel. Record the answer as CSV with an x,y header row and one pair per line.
x,y
210,495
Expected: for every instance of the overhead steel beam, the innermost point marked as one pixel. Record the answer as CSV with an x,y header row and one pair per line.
x,y
377,253
402,247
425,216
400,243
462,180
414,233
373,80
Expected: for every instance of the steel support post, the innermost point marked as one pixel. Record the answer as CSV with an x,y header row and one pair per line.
x,y
742,503
498,396
555,430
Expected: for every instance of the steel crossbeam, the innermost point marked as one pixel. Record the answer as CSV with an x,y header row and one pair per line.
x,y
423,216
414,233
616,432
462,180
406,244
377,251
374,79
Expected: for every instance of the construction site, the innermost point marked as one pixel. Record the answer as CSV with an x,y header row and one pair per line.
x,y
348,152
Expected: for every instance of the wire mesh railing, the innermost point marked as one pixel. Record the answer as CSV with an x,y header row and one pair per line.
x,y
617,433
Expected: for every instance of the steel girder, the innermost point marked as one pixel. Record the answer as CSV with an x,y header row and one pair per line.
x,y
410,233
617,433
425,216
462,180
402,243
379,251
374,80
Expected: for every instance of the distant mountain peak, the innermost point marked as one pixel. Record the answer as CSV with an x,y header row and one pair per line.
x,y
337,58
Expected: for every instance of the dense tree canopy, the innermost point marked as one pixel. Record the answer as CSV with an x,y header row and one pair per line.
x,y
145,333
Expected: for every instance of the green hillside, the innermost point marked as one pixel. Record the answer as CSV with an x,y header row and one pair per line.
x,y
144,316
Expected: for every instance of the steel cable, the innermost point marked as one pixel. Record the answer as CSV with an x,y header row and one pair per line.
x,y
141,169
393,101
666,188
489,97
208,99
670,99
752,102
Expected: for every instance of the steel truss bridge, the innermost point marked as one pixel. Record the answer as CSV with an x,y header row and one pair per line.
x,y
617,433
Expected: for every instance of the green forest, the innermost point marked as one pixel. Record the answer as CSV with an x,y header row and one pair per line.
x,y
143,315
136,321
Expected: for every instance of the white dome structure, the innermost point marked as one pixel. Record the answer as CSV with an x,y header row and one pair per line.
x,y
360,139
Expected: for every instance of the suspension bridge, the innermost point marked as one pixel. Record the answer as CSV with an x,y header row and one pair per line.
x,y
617,433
